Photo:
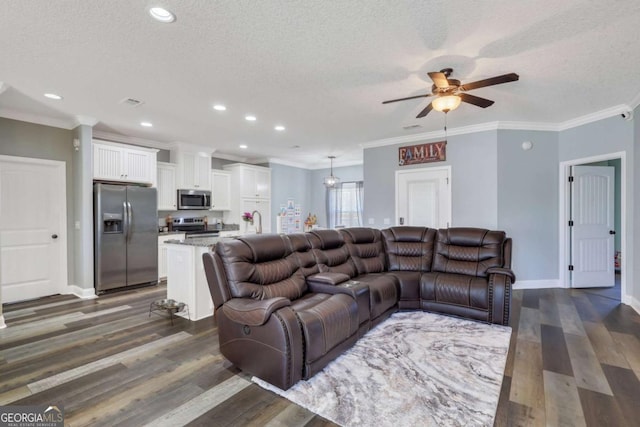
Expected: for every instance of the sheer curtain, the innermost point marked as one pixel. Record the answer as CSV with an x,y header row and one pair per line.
x,y
344,204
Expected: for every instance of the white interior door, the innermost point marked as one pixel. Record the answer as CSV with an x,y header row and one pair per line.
x,y
33,243
592,233
423,197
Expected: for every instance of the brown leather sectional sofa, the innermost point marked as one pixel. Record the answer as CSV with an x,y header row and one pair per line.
x,y
288,305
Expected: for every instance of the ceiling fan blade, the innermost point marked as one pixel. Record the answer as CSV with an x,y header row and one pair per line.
x,y
439,79
425,111
404,99
476,100
506,78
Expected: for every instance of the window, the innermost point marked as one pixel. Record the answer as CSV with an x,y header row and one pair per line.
x,y
344,205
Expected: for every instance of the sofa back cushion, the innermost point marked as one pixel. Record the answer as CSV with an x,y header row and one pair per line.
x,y
366,249
301,247
409,248
261,266
331,252
469,251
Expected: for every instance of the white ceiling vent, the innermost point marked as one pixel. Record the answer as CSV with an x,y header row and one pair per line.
x,y
409,127
132,102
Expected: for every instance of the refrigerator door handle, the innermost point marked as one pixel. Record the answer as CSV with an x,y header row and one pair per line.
x,y
126,221
130,220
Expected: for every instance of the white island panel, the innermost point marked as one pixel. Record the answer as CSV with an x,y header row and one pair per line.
x,y
186,280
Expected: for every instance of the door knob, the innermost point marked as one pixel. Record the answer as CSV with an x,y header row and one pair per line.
x,y
54,236
612,231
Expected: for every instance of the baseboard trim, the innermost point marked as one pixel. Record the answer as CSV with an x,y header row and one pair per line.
x,y
83,293
537,284
2,324
632,302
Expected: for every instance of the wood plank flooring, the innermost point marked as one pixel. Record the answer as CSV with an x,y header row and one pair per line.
x,y
574,360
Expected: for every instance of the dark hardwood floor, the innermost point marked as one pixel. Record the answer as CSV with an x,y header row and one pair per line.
x,y
574,360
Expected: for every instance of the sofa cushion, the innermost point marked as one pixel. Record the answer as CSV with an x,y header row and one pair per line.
x,y
261,266
326,321
409,285
455,289
383,292
366,249
469,251
409,248
331,252
302,249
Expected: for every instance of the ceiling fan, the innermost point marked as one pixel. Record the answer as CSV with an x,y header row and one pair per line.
x,y
450,93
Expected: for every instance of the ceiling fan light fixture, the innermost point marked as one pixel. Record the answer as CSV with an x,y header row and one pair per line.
x,y
446,103
331,181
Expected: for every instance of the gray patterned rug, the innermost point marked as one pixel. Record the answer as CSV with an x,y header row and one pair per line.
x,y
415,368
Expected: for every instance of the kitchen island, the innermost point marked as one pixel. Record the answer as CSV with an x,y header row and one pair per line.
x,y
186,280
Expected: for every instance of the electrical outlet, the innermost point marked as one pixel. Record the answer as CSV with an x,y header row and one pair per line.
x,y
77,225
387,221
372,221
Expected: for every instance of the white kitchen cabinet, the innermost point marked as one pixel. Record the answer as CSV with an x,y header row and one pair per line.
x,y
251,190
261,205
194,170
253,181
162,252
125,163
220,190
167,195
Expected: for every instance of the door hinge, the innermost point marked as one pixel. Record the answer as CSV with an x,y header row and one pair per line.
x,y
570,178
570,223
571,268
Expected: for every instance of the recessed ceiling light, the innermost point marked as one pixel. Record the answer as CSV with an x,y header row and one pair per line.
x,y
279,128
146,124
250,118
219,107
53,96
161,14
243,146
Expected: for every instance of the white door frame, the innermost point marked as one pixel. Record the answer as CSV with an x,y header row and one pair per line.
x,y
416,170
60,168
565,203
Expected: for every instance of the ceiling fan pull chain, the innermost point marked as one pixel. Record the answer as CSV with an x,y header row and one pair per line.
x,y
445,127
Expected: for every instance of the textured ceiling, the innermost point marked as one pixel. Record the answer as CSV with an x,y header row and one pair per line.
x,y
321,68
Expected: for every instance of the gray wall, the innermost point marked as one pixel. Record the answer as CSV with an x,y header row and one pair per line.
x,y
289,182
24,139
606,136
317,190
528,201
474,179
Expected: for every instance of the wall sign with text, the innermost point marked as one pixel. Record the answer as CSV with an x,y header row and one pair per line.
x,y
422,153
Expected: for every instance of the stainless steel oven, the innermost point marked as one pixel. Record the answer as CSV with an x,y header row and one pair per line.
x,y
194,199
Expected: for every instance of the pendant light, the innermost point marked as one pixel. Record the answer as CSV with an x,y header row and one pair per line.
x,y
331,181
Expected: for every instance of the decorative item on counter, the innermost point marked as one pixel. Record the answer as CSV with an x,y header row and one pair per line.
x,y
247,217
310,222
169,221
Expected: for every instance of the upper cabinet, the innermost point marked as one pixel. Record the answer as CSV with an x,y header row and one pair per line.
x,y
254,181
194,170
167,195
125,163
220,190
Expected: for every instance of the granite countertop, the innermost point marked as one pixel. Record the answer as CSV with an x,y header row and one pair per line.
x,y
168,233
199,241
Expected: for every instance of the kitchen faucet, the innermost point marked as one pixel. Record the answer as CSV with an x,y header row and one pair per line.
x,y
259,226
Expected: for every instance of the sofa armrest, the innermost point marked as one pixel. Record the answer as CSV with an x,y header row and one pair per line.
x,y
505,271
253,312
328,278
500,295
358,291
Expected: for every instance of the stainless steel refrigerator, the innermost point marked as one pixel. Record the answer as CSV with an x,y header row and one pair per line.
x,y
125,236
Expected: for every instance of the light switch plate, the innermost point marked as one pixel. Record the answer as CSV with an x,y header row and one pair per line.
x,y
387,221
372,221
77,225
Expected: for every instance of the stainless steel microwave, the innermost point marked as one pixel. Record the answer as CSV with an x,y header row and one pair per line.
x,y
194,199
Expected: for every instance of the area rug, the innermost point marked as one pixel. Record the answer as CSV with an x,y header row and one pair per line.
x,y
415,368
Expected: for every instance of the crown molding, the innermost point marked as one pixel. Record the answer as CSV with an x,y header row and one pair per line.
x,y
230,157
36,119
284,162
537,126
124,139
3,87
186,146
635,102
85,121
594,117
337,165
